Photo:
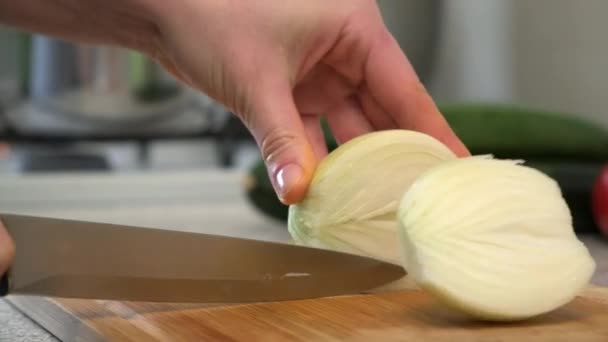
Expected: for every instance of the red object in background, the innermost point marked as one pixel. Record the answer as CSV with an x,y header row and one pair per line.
x,y
600,201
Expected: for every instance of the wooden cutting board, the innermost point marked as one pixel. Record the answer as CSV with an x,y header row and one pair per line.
x,y
388,316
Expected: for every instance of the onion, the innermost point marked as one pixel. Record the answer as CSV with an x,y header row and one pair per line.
x,y
492,238
352,201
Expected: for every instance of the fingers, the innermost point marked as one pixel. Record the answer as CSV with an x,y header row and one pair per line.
x,y
282,138
347,120
396,88
7,249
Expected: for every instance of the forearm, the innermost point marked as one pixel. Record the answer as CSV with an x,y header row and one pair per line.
x,y
127,23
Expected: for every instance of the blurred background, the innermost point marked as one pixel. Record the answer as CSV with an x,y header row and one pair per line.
x,y
103,133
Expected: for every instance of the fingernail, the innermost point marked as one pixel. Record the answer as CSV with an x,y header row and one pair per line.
x,y
286,178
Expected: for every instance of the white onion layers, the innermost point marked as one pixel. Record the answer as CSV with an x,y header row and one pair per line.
x,y
492,238
352,201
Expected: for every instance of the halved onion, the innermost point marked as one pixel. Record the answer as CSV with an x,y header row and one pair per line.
x,y
492,238
351,204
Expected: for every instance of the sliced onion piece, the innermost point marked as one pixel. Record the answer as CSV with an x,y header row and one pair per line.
x,y
351,204
492,238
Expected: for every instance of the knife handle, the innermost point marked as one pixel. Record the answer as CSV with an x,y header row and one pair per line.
x,y
4,285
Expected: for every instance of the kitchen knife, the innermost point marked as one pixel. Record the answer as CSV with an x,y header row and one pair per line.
x,y
77,259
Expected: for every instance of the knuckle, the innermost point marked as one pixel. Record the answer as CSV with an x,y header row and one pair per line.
x,y
275,143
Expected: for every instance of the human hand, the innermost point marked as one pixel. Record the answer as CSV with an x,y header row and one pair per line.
x,y
278,65
281,65
7,250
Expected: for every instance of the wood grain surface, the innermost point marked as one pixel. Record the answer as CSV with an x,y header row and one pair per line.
x,y
388,316
213,202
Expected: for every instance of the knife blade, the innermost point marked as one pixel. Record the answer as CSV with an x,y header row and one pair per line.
x,y
80,259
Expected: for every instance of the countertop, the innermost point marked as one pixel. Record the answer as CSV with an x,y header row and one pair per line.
x,y
209,201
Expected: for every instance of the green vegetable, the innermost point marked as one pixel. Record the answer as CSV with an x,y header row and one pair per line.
x,y
565,148
513,132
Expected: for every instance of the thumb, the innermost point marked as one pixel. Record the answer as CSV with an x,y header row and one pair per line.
x,y
7,250
279,132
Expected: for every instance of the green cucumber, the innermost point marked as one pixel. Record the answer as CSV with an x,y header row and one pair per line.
x,y
513,132
569,150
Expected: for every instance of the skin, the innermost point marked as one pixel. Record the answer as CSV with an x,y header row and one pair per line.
x,y
278,65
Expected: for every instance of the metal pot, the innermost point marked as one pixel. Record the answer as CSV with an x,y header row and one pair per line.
x,y
80,89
